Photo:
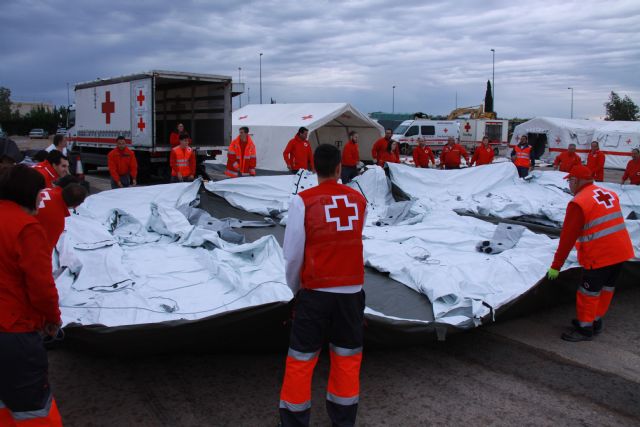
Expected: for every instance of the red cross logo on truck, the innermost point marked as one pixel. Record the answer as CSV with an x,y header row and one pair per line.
x,y
446,130
467,127
141,125
603,198
108,106
342,212
140,98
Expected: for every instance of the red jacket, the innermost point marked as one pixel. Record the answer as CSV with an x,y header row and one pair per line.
x,y
422,156
482,156
388,157
174,139
350,154
298,154
122,162
451,155
632,172
183,161
595,162
48,172
566,161
378,150
333,221
51,214
28,295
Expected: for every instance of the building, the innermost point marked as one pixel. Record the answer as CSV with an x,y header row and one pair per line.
x,y
24,107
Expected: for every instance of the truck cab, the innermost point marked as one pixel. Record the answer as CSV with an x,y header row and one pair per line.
x,y
434,132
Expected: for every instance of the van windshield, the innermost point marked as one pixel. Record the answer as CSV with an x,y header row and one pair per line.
x,y
400,130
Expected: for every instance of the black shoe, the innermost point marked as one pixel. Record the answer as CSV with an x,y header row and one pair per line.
x,y
578,334
598,325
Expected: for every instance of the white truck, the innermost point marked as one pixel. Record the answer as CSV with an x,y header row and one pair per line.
x,y
472,131
434,132
145,108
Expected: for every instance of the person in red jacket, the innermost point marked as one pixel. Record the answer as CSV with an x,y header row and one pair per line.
x,y
55,166
174,137
241,155
390,155
323,256
28,303
55,204
483,155
595,224
595,161
381,146
422,155
297,154
123,165
350,158
566,160
183,161
452,154
632,172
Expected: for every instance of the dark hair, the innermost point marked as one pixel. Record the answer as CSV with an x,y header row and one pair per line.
x,y
389,129
55,157
245,129
120,137
57,139
326,158
351,133
21,184
390,144
66,180
74,194
302,129
184,136
40,156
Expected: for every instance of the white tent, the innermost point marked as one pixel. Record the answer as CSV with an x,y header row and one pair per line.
x,y
550,136
272,126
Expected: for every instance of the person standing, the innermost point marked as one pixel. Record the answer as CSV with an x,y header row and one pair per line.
x,y
297,154
522,157
595,161
632,172
323,256
595,224
381,146
123,165
483,155
28,303
241,156
183,161
174,137
60,144
350,158
422,155
390,155
53,167
451,155
566,160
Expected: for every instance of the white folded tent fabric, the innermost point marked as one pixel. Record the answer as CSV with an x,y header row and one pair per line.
x,y
272,126
117,279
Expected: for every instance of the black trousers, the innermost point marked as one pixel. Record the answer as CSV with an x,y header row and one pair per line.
x,y
522,171
348,173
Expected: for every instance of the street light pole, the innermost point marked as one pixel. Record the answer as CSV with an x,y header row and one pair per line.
x,y
493,78
260,77
571,101
68,104
239,96
393,99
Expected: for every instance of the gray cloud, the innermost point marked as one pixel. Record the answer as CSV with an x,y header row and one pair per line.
x,y
337,51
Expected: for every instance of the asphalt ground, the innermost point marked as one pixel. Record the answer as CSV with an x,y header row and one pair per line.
x,y
517,372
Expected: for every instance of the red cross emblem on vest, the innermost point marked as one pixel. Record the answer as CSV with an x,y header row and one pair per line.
x,y
108,106
467,127
342,212
603,198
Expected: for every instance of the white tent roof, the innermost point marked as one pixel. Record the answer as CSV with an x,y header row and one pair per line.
x,y
273,125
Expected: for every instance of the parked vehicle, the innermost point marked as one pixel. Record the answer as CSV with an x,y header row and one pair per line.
x,y
473,130
61,131
38,133
434,132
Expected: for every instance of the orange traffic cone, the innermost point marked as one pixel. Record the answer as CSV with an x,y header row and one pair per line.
x,y
79,169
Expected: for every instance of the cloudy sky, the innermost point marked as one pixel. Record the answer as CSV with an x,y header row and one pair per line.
x,y
338,51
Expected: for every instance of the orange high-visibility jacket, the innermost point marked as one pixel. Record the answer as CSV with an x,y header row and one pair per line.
x,y
523,156
241,161
183,160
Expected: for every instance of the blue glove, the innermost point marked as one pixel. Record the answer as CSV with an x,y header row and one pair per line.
x,y
552,274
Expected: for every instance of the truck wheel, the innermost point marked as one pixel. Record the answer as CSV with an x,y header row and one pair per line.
x,y
496,151
405,149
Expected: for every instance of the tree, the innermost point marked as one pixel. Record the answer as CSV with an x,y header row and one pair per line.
x,y
5,104
488,99
621,109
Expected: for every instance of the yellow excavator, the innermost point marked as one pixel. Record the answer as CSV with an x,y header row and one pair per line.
x,y
474,112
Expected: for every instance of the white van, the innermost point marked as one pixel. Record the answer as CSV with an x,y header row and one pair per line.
x,y
434,132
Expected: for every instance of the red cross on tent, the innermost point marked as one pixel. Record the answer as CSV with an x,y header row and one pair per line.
x,y
342,212
603,198
467,127
628,141
310,116
558,140
242,117
108,107
140,98
141,125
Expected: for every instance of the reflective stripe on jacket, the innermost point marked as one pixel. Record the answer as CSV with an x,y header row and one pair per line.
x,y
523,156
183,160
239,162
